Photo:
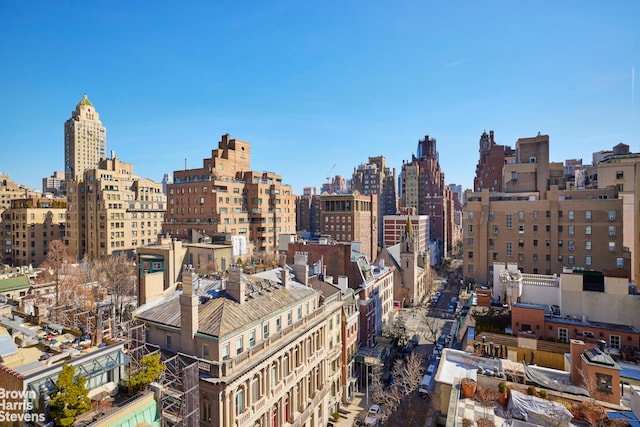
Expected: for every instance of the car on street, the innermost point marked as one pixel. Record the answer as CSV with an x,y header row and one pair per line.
x,y
373,415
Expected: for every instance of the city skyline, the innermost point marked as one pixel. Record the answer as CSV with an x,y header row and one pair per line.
x,y
313,86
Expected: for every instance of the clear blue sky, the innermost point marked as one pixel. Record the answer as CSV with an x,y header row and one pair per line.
x,y
313,84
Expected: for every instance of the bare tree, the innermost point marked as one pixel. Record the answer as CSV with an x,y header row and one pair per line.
x,y
118,275
54,264
407,376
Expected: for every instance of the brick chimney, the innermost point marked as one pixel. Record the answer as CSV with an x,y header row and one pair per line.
x,y
189,303
301,267
576,348
236,288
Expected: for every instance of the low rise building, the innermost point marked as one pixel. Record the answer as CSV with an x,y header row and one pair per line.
x,y
265,349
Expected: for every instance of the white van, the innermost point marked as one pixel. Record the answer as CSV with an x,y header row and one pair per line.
x,y
426,381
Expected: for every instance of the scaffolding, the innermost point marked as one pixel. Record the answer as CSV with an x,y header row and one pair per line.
x,y
179,400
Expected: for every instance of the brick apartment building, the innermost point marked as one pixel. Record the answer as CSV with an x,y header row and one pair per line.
x,y
351,217
225,196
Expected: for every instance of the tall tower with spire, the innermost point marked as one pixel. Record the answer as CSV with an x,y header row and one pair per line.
x,y
85,140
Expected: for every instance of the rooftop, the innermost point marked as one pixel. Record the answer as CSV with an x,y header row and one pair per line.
x,y
219,315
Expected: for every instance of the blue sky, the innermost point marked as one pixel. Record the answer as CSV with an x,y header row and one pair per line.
x,y
313,84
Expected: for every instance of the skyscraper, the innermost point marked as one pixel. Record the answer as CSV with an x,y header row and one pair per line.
x,y
85,140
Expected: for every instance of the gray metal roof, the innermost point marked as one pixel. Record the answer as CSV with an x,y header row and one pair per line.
x,y
7,347
220,316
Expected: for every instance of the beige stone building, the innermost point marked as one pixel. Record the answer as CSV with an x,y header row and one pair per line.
x,y
9,191
574,228
33,224
351,217
160,264
111,210
85,140
538,225
269,353
622,169
224,195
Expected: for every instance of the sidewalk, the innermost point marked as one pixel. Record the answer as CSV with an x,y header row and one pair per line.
x,y
355,408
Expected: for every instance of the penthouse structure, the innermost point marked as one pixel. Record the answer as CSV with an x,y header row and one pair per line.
x,y
226,196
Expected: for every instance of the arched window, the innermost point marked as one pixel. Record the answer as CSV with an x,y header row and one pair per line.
x,y
255,389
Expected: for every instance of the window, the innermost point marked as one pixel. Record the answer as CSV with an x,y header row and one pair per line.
x,y
265,331
299,313
612,215
491,216
289,318
571,214
614,341
495,229
587,245
612,246
225,352
521,215
521,243
603,383
612,230
509,249
169,342
587,260
535,214
521,229
278,325
571,259
514,175
571,230
535,257
205,351
239,401
509,220
470,228
548,214
587,230
535,227
274,375
469,215
252,338
560,229
548,228
587,214
620,262
239,345
559,242
492,242
535,243
563,335
470,255
470,268
619,174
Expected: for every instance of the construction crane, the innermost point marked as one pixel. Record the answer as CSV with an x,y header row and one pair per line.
x,y
329,173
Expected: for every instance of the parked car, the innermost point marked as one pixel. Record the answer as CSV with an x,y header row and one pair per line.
x,y
372,416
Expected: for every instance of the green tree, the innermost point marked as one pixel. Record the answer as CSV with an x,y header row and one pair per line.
x,y
150,368
69,398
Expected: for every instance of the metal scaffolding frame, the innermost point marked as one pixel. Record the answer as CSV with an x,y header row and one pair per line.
x,y
179,401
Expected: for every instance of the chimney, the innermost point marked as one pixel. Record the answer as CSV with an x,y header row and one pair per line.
x,y
301,267
343,282
576,348
284,276
189,303
236,288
